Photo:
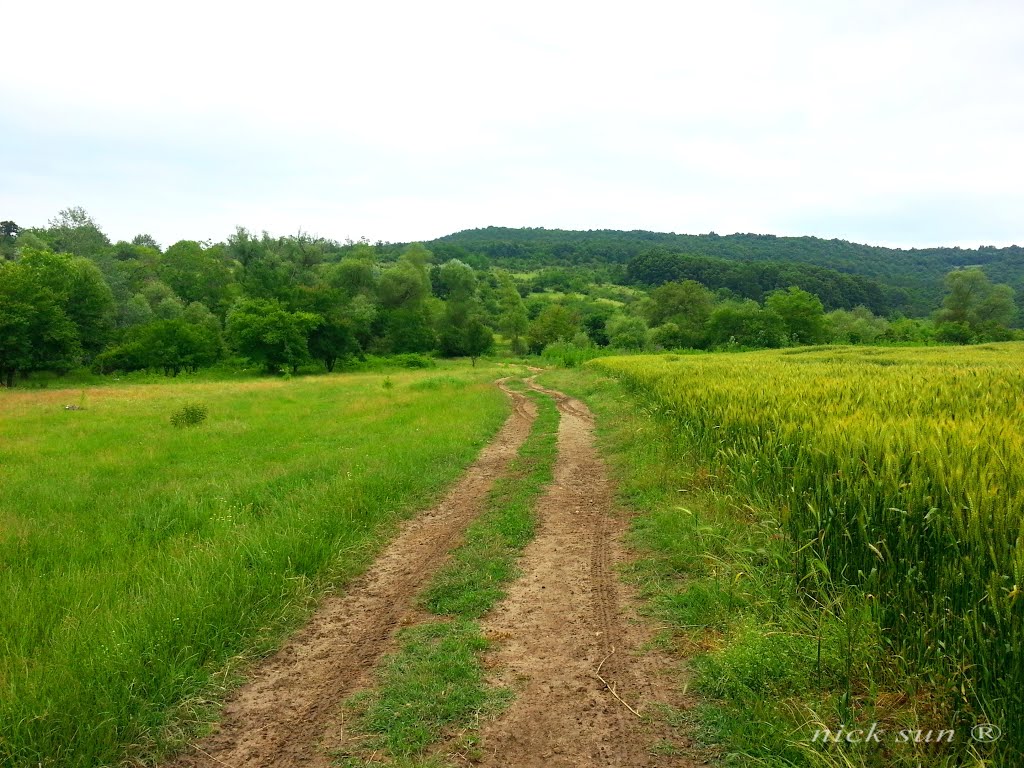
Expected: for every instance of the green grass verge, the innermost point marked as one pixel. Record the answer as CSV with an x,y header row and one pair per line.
x,y
435,684
140,563
769,668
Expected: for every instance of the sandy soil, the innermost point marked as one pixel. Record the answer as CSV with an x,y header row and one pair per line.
x,y
286,715
570,621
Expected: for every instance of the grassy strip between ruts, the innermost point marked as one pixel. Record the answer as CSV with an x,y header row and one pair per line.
x,y
770,670
434,684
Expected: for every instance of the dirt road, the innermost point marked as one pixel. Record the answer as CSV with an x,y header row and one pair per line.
x,y
566,637
568,622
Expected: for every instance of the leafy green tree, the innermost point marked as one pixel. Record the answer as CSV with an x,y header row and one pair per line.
x,y
746,324
973,300
625,332
36,332
265,332
654,267
554,323
74,231
136,311
955,332
156,292
271,276
404,285
479,339
81,290
513,320
176,345
403,291
459,284
242,247
352,277
196,273
855,326
909,330
669,336
409,329
333,339
802,313
362,314
169,308
687,305
8,236
146,241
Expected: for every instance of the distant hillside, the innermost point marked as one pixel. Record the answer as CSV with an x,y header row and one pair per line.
x,y
913,278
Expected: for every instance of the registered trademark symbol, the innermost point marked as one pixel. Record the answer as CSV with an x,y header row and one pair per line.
x,y
986,732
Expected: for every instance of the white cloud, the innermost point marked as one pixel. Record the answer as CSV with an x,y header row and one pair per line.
x,y
401,120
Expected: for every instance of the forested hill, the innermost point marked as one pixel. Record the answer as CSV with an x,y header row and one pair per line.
x,y
919,272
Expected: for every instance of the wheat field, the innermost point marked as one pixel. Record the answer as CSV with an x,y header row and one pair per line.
x,y
899,472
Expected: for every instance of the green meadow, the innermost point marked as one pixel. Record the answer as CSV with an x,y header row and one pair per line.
x,y
142,564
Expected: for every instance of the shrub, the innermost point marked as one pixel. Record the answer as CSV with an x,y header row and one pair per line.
x,y
413,360
189,415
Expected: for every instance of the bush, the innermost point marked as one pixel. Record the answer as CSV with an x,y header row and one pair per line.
x,y
412,360
189,415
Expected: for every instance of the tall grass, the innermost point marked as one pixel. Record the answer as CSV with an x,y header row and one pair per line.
x,y
898,472
137,560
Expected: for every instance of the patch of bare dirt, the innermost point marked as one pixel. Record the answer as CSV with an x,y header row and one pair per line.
x,y
568,622
286,715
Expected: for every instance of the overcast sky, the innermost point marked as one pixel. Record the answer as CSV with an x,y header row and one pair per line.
x,y
897,123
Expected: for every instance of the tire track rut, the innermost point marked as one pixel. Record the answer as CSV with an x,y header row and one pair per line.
x,y
288,709
568,616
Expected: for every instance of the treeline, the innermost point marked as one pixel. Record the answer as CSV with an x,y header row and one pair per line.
x,y
911,280
69,297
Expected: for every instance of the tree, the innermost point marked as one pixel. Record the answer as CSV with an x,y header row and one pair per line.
x,y
972,300
36,332
654,267
146,241
856,326
405,285
265,332
333,339
513,320
188,342
687,305
403,291
196,273
955,332
669,336
625,332
362,313
352,277
135,311
747,324
802,313
173,345
79,287
458,283
554,323
74,231
478,339
8,235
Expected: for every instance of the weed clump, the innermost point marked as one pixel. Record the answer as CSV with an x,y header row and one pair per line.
x,y
413,360
189,415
